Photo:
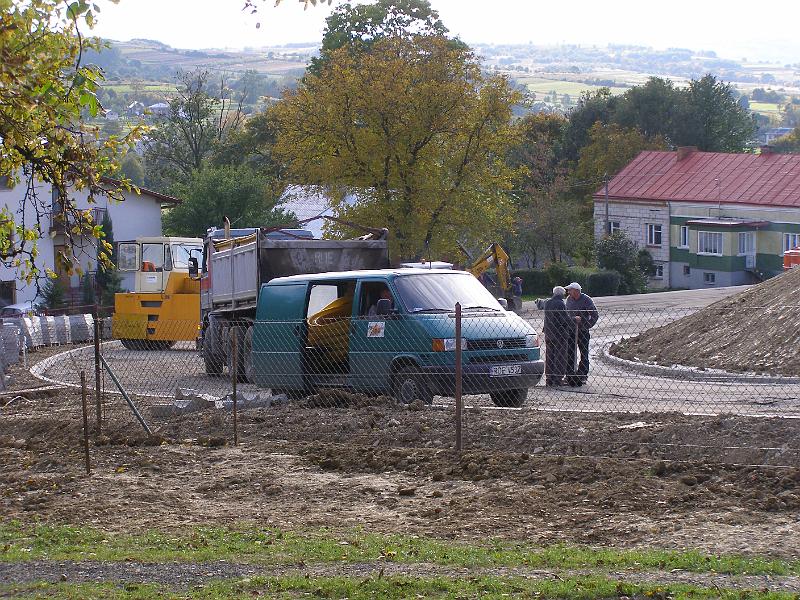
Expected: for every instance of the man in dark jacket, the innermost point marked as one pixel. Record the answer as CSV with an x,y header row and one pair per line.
x,y
557,327
584,315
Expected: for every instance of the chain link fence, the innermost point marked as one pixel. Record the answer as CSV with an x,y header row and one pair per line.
x,y
471,379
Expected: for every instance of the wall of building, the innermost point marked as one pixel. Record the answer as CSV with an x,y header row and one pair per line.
x,y
136,216
633,219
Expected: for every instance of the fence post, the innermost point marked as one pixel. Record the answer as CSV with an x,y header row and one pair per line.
x,y
85,422
234,379
97,392
459,401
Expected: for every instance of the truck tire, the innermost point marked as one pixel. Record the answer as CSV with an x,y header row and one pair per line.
x,y
247,356
407,386
240,356
509,398
213,364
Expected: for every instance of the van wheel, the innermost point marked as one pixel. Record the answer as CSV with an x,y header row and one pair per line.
x,y
509,398
407,386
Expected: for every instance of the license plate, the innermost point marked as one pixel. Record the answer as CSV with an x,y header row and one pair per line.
x,y
505,370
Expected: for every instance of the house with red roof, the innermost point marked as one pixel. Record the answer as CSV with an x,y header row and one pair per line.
x,y
707,218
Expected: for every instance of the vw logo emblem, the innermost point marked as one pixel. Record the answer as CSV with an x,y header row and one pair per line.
x,y
499,343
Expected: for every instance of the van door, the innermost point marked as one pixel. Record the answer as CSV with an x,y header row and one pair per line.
x,y
374,339
279,336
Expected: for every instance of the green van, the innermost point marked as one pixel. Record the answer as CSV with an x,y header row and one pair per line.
x,y
391,331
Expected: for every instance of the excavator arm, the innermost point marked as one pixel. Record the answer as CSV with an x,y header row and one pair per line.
x,y
493,256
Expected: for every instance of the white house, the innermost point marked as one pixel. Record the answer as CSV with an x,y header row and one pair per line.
x,y
137,216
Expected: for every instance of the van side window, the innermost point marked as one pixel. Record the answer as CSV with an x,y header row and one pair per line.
x,y
371,292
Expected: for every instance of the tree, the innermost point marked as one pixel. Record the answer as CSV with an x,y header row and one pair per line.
x,y
199,119
710,118
610,148
251,145
650,108
132,168
358,27
788,144
46,91
617,252
107,277
246,197
591,108
416,133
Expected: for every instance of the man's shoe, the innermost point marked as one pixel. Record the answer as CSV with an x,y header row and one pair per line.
x,y
556,383
574,381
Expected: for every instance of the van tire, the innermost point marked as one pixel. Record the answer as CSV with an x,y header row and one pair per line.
x,y
509,398
407,386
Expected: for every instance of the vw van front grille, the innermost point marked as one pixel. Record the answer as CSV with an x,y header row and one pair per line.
x,y
496,344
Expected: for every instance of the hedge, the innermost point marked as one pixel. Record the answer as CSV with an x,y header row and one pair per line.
x,y
603,283
540,282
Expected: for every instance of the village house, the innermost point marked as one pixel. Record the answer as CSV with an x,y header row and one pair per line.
x,y
138,215
707,218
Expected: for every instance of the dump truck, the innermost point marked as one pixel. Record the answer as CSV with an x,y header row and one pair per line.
x,y
164,306
236,263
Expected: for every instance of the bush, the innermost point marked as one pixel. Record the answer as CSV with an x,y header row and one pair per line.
x,y
603,283
534,281
53,294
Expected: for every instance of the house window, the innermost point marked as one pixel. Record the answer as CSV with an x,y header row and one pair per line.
x,y
653,234
684,237
790,240
747,242
687,270
658,272
709,242
709,278
613,227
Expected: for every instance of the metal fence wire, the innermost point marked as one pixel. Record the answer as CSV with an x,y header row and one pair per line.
x,y
394,380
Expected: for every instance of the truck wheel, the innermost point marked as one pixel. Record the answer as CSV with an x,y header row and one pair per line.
x,y
213,364
407,386
240,356
247,355
509,398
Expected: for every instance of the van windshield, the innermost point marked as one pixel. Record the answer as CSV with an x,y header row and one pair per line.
x,y
439,292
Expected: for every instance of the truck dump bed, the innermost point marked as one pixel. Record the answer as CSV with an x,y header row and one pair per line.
x,y
239,266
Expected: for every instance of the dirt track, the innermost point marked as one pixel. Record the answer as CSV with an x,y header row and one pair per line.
x,y
621,480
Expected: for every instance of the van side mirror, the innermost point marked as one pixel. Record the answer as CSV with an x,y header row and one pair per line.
x,y
384,307
193,268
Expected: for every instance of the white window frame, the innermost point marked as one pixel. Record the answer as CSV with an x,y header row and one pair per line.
x,y
718,248
749,246
709,278
684,237
653,230
613,227
790,240
659,272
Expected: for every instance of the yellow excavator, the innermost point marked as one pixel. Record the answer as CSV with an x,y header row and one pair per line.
x,y
493,257
164,307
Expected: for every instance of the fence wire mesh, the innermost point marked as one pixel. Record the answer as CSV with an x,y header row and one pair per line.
x,y
660,384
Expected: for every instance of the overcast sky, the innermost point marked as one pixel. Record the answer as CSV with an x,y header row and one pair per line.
x,y
733,28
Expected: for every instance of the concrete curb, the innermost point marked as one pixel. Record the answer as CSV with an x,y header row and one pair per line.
x,y
685,373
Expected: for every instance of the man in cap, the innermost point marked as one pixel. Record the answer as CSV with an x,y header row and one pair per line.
x,y
584,315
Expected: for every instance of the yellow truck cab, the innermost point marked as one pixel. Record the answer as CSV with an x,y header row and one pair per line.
x,y
164,306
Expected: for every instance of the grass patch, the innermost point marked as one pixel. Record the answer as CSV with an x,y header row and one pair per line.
x,y
578,588
261,545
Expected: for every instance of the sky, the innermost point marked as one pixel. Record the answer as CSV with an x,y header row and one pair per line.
x,y
733,28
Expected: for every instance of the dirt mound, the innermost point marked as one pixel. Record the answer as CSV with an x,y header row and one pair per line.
x,y
755,331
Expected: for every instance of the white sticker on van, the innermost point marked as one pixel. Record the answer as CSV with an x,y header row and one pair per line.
x,y
376,329
151,278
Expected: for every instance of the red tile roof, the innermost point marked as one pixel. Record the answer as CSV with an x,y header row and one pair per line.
x,y
760,179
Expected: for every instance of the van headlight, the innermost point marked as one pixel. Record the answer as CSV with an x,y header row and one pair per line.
x,y
532,340
447,344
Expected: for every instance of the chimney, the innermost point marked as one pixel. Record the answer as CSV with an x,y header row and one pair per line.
x,y
766,149
685,151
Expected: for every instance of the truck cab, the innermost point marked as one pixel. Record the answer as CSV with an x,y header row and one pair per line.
x,y
164,306
391,331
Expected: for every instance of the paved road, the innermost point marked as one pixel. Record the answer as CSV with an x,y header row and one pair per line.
x,y
612,388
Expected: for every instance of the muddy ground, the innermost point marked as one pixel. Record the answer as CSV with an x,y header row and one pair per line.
x,y
721,484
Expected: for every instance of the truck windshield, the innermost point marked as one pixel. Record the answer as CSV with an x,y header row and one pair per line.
x,y
439,292
182,252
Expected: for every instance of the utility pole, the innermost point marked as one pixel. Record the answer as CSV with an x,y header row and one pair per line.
x,y
607,227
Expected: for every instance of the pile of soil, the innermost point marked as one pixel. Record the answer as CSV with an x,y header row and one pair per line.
x,y
756,331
